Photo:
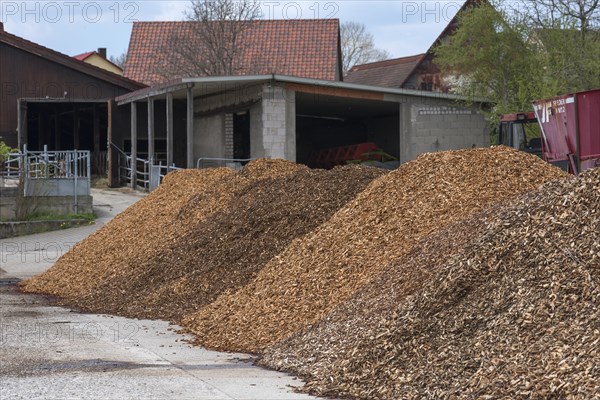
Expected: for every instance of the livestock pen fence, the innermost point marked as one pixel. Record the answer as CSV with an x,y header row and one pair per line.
x,y
143,174
50,173
45,183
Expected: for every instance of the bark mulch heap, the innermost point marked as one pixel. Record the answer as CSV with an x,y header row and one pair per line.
x,y
312,352
515,314
148,228
314,274
232,245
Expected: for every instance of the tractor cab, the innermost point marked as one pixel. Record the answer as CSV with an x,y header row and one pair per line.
x,y
520,131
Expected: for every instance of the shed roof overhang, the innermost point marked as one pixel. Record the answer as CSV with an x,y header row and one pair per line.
x,y
207,86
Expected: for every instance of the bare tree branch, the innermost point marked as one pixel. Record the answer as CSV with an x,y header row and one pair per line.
x,y
358,46
213,42
119,60
547,14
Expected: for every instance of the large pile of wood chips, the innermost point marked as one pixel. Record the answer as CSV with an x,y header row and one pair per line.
x,y
324,268
149,228
312,351
229,247
514,313
454,276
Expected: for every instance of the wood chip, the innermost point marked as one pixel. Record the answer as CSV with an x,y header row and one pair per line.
x,y
213,240
511,312
324,268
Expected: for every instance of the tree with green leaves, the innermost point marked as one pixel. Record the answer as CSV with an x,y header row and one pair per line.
x,y
5,150
512,57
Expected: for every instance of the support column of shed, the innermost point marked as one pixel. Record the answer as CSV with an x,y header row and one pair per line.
x,y
169,130
133,145
190,127
151,154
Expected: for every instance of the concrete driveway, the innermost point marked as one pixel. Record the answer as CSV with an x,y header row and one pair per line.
x,y
50,352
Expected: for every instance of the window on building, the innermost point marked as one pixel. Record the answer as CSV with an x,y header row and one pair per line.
x,y
427,86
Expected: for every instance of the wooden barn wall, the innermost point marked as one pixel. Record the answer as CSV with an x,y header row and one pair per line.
x,y
25,75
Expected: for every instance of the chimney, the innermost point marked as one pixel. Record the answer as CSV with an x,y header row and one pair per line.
x,y
102,51
1,26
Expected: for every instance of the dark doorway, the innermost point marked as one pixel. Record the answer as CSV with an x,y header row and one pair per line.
x,y
328,128
241,135
59,125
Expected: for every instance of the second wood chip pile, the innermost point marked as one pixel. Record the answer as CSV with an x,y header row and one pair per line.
x,y
462,274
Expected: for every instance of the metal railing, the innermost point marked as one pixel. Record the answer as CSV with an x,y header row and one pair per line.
x,y
138,171
57,164
64,164
147,176
165,169
70,170
12,166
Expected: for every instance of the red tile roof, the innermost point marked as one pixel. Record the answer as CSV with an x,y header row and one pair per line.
x,y
83,56
388,73
304,48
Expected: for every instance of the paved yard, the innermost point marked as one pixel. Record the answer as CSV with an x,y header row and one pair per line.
x,y
51,352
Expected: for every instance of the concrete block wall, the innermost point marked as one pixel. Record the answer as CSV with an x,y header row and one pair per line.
x,y
279,123
272,123
8,203
440,126
58,205
228,135
213,131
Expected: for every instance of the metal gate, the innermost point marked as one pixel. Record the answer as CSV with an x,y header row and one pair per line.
x,y
51,173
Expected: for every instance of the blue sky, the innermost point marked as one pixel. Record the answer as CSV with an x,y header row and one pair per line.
x,y
72,27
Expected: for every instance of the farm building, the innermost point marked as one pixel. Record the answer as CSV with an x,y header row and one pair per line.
x,y
293,118
292,106
50,99
303,48
418,72
99,59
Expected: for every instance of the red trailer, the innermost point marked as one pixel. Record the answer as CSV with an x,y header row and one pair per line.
x,y
569,130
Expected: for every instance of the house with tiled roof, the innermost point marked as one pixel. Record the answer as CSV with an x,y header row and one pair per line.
x,y
388,73
302,48
418,72
286,98
98,58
